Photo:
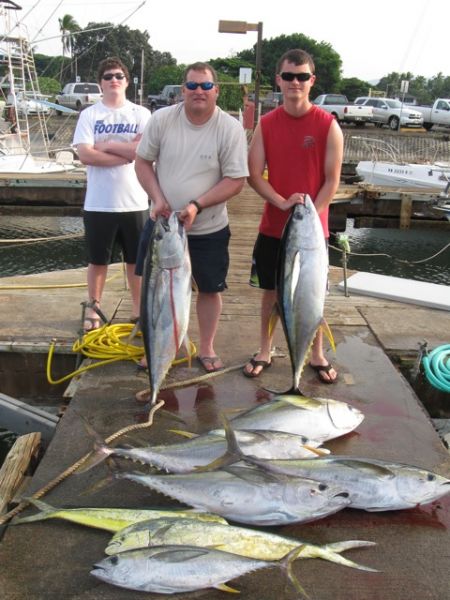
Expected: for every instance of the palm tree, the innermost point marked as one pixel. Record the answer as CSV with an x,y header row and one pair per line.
x,y
67,27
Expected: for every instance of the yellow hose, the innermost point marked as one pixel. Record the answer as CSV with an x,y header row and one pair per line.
x,y
108,344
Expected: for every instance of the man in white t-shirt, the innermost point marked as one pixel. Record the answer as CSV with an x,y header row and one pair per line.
x,y
116,206
193,158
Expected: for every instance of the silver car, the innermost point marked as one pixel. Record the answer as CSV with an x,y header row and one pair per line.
x,y
390,112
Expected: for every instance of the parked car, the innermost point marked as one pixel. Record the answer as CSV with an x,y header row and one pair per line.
x,y
343,111
171,94
79,95
390,112
438,114
270,101
27,104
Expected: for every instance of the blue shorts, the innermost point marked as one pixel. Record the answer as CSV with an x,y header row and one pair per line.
x,y
265,262
209,257
104,229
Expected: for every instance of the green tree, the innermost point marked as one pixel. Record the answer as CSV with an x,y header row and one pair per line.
x,y
230,66
49,86
166,75
90,47
353,87
67,27
327,61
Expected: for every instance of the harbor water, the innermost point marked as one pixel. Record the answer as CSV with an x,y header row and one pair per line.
x,y
410,254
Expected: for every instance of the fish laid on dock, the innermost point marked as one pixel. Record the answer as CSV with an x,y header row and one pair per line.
x,y
373,485
302,282
176,569
248,495
238,540
109,519
166,298
185,457
320,419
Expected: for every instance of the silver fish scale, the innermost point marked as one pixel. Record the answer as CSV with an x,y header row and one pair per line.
x,y
302,282
249,496
165,297
174,569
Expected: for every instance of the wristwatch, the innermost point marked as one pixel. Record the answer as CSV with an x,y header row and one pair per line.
x,y
197,206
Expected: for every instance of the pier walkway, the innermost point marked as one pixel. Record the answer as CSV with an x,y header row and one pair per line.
x,y
52,559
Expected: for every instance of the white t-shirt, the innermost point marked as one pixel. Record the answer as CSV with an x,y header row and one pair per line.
x,y
191,159
112,189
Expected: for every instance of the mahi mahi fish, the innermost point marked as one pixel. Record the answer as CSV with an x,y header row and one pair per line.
x,y
177,569
373,485
252,543
248,495
166,297
301,282
317,418
109,519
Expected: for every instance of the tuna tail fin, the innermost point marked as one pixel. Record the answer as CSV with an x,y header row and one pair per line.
x,y
46,512
100,452
233,453
286,564
331,552
326,328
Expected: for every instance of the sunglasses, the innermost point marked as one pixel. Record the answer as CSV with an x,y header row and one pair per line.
x,y
288,76
205,85
110,76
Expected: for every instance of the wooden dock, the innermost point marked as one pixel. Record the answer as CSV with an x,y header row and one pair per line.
x,y
52,559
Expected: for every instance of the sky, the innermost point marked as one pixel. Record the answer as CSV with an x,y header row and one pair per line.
x,y
372,38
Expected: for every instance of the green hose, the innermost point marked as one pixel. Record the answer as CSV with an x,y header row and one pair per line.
x,y
437,367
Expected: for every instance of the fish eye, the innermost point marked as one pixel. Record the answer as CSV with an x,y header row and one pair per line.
x,y
114,560
322,487
431,477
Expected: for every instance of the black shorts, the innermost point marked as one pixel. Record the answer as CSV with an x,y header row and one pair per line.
x,y
265,262
209,257
104,229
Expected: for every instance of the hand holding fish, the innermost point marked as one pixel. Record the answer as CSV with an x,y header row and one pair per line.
x,y
160,208
188,215
288,203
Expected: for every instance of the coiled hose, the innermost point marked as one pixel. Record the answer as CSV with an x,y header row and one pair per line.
x,y
109,343
436,365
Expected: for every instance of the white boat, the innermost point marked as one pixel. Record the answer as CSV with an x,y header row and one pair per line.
x,y
434,176
24,145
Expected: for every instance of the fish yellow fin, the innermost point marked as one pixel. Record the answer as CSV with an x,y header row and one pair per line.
x,y
223,587
326,329
273,319
186,434
318,451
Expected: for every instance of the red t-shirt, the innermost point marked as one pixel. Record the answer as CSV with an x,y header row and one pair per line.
x,y
295,150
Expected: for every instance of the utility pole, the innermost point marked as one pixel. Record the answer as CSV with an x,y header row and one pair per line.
x,y
141,91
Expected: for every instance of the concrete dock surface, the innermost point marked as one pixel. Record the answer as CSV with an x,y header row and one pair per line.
x,y
52,559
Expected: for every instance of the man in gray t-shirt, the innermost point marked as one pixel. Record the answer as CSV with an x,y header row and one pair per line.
x,y
192,158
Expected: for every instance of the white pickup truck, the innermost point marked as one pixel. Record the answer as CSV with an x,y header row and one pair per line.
x,y
438,114
343,111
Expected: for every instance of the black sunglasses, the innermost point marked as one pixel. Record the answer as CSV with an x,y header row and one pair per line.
x,y
110,76
205,85
288,76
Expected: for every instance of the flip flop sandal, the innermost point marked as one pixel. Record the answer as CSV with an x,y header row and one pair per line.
x,y
209,360
319,369
265,364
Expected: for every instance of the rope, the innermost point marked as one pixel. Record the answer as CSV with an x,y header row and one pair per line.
x,y
108,344
408,262
436,365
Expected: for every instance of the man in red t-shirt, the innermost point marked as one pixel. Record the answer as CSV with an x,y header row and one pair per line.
x,y
302,147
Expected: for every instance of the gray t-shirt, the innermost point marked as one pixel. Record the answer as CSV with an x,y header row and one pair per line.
x,y
191,159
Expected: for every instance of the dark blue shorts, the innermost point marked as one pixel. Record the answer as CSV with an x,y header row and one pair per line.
x,y
265,262
104,229
209,257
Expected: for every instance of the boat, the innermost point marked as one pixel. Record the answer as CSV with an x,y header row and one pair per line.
x,y
386,168
435,176
24,140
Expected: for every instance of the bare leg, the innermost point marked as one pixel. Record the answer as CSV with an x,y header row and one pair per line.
x,y
209,307
134,281
267,303
96,277
318,357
